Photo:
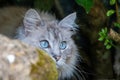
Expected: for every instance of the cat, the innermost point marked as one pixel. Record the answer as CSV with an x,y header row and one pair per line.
x,y
44,31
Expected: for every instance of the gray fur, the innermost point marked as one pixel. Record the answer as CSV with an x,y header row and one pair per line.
x,y
43,26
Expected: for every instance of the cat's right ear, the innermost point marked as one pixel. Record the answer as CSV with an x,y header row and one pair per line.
x,y
31,20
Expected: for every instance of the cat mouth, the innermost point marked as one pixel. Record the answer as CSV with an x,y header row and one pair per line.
x,y
59,66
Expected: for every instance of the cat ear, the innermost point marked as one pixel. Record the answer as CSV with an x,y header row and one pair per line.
x,y
31,20
68,21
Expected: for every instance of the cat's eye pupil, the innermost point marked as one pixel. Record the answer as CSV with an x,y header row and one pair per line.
x,y
44,44
63,45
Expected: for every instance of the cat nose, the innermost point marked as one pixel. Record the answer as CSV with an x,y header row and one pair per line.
x,y
57,57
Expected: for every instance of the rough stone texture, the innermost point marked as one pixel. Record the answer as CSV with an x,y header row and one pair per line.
x,y
19,61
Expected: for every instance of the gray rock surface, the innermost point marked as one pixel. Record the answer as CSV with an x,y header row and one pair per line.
x,y
19,61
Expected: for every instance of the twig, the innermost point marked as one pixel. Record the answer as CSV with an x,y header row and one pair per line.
x,y
114,35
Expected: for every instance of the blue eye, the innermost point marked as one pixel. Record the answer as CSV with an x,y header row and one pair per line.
x,y
44,44
63,45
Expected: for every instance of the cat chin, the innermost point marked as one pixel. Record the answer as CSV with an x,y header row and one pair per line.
x,y
65,70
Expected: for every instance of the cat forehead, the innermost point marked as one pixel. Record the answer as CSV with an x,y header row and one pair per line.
x,y
52,31
56,28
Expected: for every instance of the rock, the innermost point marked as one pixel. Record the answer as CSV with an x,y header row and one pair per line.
x,y
19,61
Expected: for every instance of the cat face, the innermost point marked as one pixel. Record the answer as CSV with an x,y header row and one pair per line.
x,y
53,37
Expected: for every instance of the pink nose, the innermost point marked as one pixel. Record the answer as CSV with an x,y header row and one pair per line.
x,y
57,57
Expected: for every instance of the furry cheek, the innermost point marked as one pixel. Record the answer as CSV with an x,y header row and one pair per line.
x,y
60,63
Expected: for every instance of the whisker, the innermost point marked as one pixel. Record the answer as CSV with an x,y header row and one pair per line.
x,y
84,71
77,77
79,71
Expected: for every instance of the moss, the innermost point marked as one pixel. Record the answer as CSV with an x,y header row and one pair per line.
x,y
44,68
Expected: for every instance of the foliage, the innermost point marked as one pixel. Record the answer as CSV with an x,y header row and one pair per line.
x,y
104,37
110,12
112,2
116,24
104,32
87,4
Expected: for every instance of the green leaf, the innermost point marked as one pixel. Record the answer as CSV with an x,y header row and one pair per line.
x,y
101,34
110,12
108,46
101,39
112,2
117,25
110,42
106,42
105,30
87,4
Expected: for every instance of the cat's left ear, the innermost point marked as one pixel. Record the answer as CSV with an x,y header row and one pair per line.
x,y
68,21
